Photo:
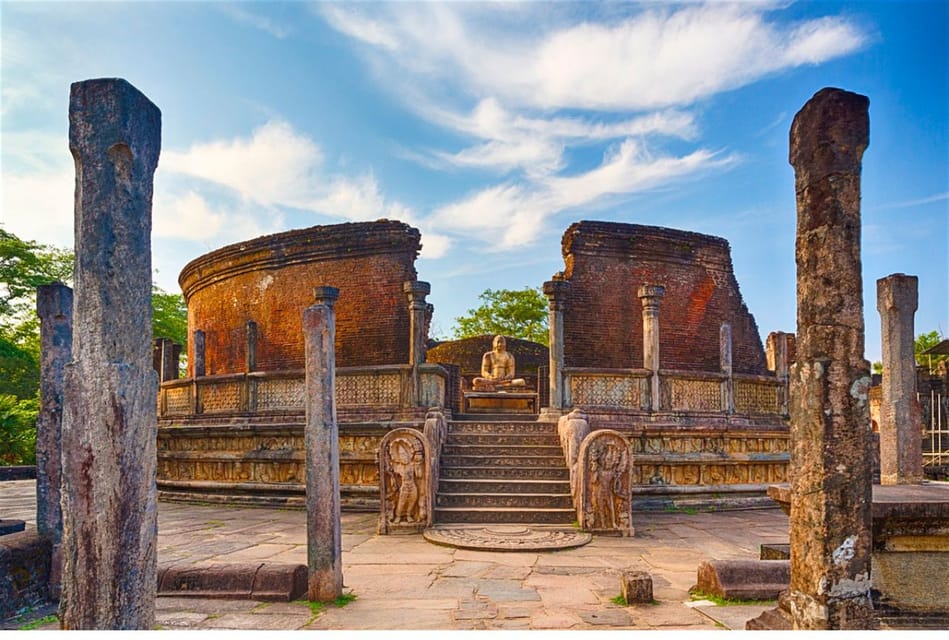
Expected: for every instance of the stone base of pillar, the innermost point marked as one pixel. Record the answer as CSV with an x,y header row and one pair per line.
x,y
550,414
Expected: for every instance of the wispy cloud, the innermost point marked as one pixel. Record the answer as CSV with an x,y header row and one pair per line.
x,y
541,84
938,197
241,14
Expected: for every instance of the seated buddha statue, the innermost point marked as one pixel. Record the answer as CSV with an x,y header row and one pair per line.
x,y
497,370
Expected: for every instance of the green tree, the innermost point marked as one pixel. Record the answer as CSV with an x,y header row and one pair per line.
x,y
18,430
926,341
169,316
515,313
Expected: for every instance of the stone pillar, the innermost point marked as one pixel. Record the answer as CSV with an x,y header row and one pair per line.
x,y
725,360
556,292
650,295
830,473
250,355
199,362
323,537
165,356
109,502
416,290
779,348
901,444
54,303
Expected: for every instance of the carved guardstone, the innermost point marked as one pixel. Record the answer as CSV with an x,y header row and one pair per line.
x,y
110,522
405,482
605,464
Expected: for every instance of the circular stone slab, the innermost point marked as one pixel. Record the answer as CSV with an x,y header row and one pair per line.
x,y
505,537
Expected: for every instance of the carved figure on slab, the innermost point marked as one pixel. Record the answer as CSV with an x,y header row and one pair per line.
x,y
605,483
497,369
405,479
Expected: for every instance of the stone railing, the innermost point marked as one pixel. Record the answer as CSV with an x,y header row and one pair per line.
x,y
679,391
386,388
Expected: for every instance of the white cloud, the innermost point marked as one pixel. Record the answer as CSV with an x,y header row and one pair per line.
x,y
655,58
513,214
240,14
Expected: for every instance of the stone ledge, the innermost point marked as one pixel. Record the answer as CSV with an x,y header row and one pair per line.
x,y
25,561
265,582
744,579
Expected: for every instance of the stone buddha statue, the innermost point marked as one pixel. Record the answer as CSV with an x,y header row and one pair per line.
x,y
497,369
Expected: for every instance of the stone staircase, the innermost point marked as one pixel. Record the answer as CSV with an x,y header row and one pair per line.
x,y
503,469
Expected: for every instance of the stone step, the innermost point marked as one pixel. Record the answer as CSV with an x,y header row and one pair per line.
x,y
504,439
502,427
493,485
501,515
511,500
505,450
505,460
518,473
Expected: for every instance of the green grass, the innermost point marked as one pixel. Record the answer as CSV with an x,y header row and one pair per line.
x,y
620,600
33,624
316,608
725,602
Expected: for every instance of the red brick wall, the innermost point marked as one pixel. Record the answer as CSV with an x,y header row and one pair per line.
x,y
270,280
606,263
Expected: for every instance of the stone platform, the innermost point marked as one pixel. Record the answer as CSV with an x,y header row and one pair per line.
x,y
506,537
500,402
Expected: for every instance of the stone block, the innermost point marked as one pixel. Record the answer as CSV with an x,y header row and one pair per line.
x,y
774,551
24,571
744,579
266,582
11,526
636,587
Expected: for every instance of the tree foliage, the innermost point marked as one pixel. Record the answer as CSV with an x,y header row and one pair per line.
x,y
24,265
926,341
515,313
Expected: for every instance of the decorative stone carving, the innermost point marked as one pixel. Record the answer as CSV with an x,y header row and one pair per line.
x,y
572,429
604,461
406,482
497,369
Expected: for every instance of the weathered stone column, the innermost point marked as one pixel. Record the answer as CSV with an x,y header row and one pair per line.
x,y
778,349
54,303
556,292
416,290
901,444
165,356
830,424
725,362
650,295
110,521
323,537
199,366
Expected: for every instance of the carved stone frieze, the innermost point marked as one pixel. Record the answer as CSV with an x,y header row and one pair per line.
x,y
606,391
371,390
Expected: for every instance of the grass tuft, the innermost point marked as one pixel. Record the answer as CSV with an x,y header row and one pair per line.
x,y
725,602
39,622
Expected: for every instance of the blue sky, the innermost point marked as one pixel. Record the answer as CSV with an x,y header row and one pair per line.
x,y
494,126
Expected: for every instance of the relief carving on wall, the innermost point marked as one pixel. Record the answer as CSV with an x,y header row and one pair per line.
x,y
604,462
406,482
572,429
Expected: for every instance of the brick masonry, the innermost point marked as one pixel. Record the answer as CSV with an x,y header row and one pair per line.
x,y
270,280
607,262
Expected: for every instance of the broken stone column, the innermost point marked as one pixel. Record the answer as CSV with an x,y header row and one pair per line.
x,y
109,504
901,444
199,366
323,536
54,304
725,363
165,357
830,425
416,290
556,292
779,352
650,295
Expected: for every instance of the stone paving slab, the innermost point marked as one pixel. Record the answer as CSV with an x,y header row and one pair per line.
x,y
405,582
